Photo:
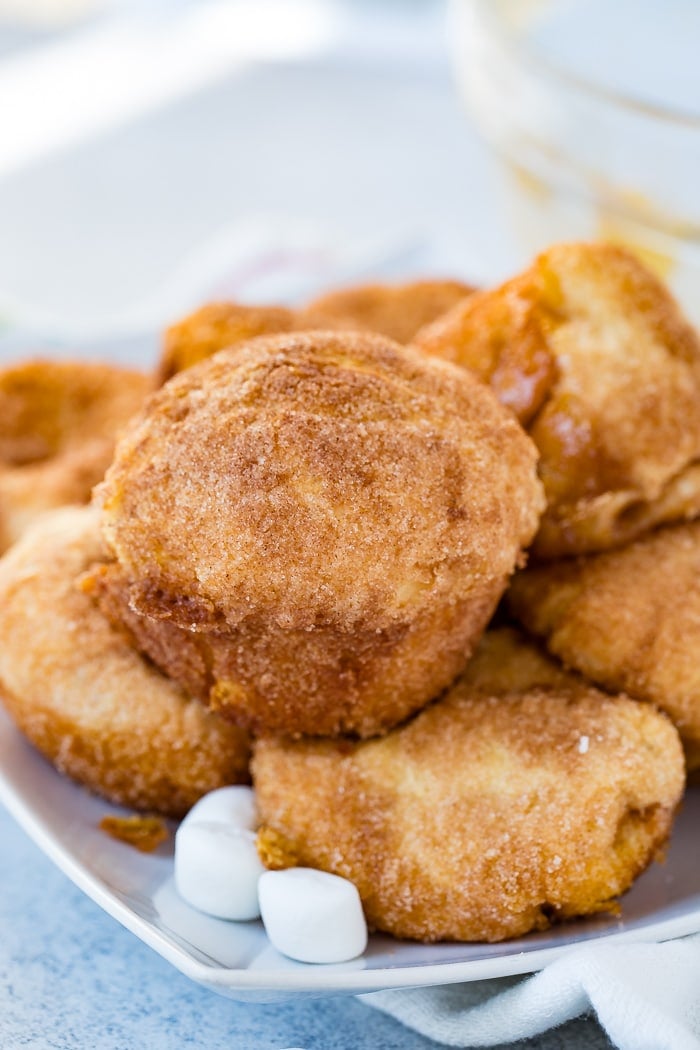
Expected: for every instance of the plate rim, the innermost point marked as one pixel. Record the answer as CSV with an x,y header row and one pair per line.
x,y
312,979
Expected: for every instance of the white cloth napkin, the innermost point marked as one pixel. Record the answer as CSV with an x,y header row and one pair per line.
x,y
646,997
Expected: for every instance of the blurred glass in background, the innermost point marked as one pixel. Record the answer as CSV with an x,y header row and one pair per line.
x,y
593,109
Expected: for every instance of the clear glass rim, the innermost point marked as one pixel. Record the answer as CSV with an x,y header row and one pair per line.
x,y
545,67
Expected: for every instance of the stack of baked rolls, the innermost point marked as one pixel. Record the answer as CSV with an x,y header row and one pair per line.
x,y
298,551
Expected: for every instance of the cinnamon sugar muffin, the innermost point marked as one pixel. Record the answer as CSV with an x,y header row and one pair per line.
x,y
394,310
312,530
217,326
627,619
595,358
92,705
523,797
58,424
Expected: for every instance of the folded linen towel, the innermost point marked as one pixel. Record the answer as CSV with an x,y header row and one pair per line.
x,y
646,997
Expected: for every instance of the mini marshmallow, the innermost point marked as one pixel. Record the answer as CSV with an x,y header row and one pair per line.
x,y
217,869
312,916
228,805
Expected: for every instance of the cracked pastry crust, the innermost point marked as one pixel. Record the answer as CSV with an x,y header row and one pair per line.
x,y
523,797
397,311
93,706
593,355
627,619
58,424
312,530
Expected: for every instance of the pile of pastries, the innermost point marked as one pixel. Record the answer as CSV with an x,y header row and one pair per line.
x,y
421,560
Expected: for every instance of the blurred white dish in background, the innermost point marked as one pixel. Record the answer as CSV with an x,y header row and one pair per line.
x,y
117,232
43,93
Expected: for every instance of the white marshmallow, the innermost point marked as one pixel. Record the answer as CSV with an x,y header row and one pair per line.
x,y
312,916
228,805
217,869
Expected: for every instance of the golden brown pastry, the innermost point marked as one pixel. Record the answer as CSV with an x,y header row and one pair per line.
x,y
58,425
522,798
217,326
627,619
89,703
594,356
312,530
505,661
397,311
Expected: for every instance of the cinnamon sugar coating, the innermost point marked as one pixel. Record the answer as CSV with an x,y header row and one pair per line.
x,y
593,355
627,619
214,327
58,425
494,812
95,708
312,530
397,311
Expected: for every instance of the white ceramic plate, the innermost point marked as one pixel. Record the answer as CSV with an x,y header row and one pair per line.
x,y
237,960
